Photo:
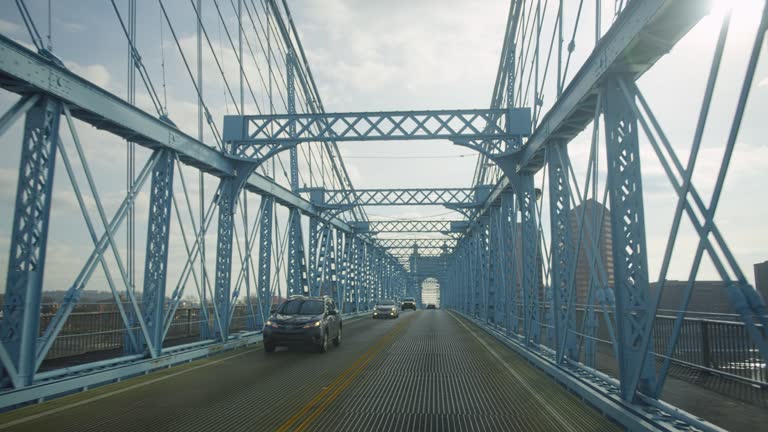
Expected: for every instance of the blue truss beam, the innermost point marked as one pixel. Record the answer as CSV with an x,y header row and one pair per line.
x,y
266,217
23,71
415,226
458,197
297,261
642,34
495,132
634,316
531,282
417,242
158,234
19,327
222,288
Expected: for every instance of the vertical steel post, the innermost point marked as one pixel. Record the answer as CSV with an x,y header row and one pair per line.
x,y
314,225
526,196
485,274
563,253
227,197
297,266
266,217
359,272
508,227
29,237
632,291
156,260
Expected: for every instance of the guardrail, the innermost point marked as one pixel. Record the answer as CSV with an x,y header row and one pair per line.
x,y
94,331
712,346
87,332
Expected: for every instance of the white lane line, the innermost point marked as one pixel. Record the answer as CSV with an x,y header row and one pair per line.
x,y
116,392
514,373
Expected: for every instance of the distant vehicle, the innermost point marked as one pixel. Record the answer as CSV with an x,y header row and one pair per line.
x,y
408,303
431,306
304,321
386,308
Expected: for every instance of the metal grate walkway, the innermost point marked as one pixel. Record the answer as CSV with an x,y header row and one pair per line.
x,y
438,376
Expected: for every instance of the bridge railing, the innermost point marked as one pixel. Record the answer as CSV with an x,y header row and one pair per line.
x,y
98,331
710,345
714,346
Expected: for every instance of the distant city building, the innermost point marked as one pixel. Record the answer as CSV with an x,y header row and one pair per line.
x,y
707,296
761,279
594,213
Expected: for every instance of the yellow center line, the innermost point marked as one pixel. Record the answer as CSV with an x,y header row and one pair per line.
x,y
318,403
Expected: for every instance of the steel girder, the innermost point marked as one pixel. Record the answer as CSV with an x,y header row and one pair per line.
x,y
297,269
408,252
416,242
29,238
326,263
314,232
416,226
344,252
264,277
362,275
291,84
496,263
563,254
531,282
509,261
640,36
490,278
458,197
25,71
228,191
496,132
297,262
632,289
156,264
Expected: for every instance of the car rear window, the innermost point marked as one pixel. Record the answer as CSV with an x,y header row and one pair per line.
x,y
302,307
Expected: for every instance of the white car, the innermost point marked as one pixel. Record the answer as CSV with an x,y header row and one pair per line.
x,y
386,308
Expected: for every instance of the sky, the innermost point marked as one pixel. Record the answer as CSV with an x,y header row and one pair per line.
x,y
400,55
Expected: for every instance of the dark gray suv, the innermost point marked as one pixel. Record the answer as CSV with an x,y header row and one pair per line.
x,y
303,321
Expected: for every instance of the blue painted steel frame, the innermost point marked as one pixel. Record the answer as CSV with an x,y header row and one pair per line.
x,y
563,254
156,264
632,288
29,238
492,132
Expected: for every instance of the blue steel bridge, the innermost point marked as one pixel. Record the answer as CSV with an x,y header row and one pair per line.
x,y
208,222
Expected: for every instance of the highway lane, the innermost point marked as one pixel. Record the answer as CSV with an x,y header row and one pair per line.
x,y
427,370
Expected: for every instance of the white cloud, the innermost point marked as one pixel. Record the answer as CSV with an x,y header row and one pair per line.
x,y
8,28
95,73
71,27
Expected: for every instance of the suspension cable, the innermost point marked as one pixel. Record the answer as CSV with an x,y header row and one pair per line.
x,y
30,24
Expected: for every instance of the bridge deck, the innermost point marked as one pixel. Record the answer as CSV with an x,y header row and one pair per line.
x,y
426,371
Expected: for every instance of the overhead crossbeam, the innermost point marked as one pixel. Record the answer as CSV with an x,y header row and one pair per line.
x,y
425,251
461,197
418,242
414,226
494,132
408,252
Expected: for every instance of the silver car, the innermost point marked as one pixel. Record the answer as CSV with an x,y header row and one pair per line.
x,y
386,308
